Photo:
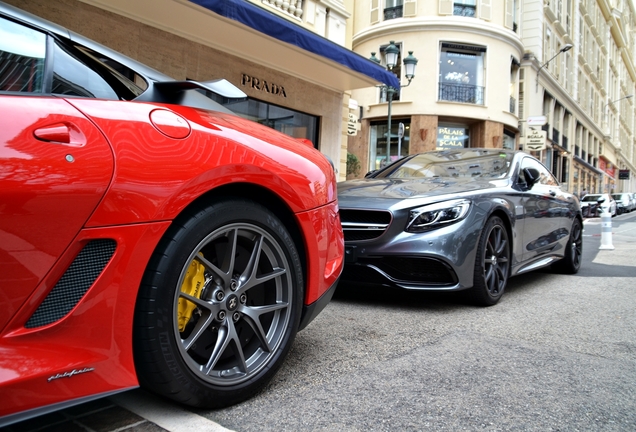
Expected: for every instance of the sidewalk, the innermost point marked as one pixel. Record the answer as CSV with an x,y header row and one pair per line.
x,y
101,416
132,411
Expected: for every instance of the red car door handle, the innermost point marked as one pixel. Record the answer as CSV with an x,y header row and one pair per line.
x,y
55,133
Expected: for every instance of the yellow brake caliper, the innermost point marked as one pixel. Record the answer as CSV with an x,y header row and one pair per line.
x,y
192,285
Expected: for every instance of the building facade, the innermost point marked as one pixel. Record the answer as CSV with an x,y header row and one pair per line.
x,y
494,73
465,92
585,93
302,91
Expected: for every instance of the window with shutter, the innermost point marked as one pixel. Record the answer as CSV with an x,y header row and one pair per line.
x,y
485,10
375,11
509,14
410,8
445,7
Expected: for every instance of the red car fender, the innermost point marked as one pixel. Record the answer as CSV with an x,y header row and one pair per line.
x,y
325,266
211,155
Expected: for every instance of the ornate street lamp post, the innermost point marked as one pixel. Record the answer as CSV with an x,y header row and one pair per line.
x,y
391,54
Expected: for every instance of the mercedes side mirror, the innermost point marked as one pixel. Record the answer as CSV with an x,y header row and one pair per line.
x,y
532,176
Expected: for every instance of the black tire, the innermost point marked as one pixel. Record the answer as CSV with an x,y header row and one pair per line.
x,y
571,261
219,305
492,264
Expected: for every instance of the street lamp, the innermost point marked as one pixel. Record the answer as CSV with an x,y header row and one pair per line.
x,y
619,99
565,48
391,53
612,102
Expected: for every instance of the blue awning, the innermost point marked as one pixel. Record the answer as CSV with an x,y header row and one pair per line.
x,y
281,29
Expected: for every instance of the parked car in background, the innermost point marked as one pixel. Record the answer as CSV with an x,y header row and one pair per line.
x,y
590,205
147,235
624,202
452,220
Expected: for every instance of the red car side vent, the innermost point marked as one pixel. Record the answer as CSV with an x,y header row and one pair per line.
x,y
75,282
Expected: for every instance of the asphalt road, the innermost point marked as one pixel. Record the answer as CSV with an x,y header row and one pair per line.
x,y
557,353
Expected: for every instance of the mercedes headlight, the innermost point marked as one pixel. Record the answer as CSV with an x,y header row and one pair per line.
x,y
437,215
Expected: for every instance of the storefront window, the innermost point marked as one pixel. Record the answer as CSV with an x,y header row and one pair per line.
x,y
293,123
378,139
508,140
461,73
452,137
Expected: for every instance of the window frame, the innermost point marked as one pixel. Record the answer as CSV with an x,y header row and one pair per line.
x,y
455,86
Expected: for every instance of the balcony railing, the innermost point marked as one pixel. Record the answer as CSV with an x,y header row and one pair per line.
x,y
393,12
464,10
293,7
461,93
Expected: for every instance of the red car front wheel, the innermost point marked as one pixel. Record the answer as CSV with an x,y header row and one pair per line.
x,y
219,307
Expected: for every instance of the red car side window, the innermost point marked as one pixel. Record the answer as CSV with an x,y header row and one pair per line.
x,y
22,53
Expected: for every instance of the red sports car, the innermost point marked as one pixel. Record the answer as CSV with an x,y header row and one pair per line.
x,y
147,235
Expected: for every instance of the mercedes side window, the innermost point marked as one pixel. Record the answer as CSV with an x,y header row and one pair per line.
x,y
22,54
545,176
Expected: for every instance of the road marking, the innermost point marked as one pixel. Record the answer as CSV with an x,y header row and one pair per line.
x,y
164,414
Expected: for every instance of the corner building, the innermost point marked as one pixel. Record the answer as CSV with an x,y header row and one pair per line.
x,y
466,86
487,67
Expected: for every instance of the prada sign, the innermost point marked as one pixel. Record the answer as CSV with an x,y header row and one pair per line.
x,y
262,85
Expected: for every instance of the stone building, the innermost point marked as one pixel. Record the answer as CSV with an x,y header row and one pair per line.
x,y
492,73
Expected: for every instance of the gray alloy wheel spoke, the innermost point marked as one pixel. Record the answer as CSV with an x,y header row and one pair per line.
x,y
492,243
229,258
221,345
238,348
253,314
495,282
254,281
501,248
227,336
249,278
488,272
212,268
200,328
492,280
259,332
249,274
501,276
197,301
